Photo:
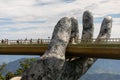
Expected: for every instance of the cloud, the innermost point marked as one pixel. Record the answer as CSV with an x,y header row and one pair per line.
x,y
68,1
37,18
20,19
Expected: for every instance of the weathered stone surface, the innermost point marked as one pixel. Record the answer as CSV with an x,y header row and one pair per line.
x,y
105,30
88,29
75,31
88,26
50,65
53,65
69,71
76,67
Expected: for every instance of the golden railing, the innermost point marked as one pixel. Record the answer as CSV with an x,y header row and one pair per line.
x,y
112,42
104,48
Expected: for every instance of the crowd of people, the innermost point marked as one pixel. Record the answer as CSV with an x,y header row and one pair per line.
x,y
20,41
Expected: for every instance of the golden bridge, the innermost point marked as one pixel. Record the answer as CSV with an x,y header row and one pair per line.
x,y
105,48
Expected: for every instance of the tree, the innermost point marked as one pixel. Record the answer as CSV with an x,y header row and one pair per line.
x,y
25,64
18,72
1,77
53,65
2,70
9,75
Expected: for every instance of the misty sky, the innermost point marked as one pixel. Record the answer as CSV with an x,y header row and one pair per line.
x,y
20,19
37,18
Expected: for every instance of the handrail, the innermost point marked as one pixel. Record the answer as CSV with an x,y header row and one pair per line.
x,y
47,41
104,48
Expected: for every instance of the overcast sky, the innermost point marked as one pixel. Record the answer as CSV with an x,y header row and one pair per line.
x,y
37,18
20,19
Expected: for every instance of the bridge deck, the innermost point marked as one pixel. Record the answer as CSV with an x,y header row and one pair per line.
x,y
97,51
103,49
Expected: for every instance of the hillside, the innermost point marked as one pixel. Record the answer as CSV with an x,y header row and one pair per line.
x,y
103,76
101,70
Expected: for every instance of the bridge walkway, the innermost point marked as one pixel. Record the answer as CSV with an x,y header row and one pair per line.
x,y
108,49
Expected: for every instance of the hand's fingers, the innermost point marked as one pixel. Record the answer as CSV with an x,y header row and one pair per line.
x,y
105,30
88,26
87,34
104,34
74,38
60,39
79,66
74,31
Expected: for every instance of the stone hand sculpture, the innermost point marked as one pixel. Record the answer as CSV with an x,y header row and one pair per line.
x,y
54,65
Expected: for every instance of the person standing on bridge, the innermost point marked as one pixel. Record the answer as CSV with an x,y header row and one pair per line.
x,y
2,41
25,41
7,41
18,41
38,41
41,41
31,41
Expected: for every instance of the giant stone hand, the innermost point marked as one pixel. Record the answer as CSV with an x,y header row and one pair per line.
x,y
54,65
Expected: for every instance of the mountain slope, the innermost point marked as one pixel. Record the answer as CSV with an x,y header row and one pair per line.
x,y
101,70
103,76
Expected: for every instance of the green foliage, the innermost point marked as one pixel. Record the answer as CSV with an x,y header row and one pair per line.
x,y
9,75
18,72
1,77
25,64
2,68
